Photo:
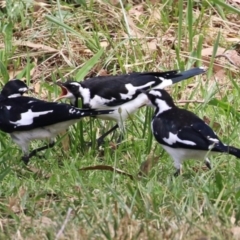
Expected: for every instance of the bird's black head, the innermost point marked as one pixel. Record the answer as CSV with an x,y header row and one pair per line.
x,y
160,99
14,88
70,89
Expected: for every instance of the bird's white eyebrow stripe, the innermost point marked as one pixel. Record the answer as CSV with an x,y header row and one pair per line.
x,y
76,84
24,89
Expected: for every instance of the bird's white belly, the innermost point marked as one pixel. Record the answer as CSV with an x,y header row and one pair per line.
x,y
122,112
181,154
47,132
185,154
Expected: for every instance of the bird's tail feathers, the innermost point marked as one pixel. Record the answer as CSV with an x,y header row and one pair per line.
x,y
234,151
94,112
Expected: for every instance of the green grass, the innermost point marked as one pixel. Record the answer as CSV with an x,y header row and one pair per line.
x,y
52,193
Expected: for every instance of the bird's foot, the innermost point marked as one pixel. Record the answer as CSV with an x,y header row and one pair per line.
x,y
177,173
99,142
120,139
208,164
25,159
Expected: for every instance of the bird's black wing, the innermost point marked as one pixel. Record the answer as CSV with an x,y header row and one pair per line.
x,y
120,88
116,90
195,135
24,113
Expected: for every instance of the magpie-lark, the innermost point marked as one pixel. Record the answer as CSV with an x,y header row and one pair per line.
x,y
120,92
13,88
27,118
183,134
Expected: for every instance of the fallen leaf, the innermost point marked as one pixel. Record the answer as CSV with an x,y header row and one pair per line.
x,y
235,3
151,45
38,46
114,2
208,51
38,4
236,232
134,30
233,57
233,40
103,72
147,165
136,11
223,59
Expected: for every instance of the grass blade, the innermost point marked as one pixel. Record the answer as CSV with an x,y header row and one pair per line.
x,y
89,65
215,47
4,73
227,6
59,23
190,24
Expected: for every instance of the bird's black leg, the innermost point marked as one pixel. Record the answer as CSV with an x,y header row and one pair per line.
x,y
100,140
120,138
26,158
208,164
177,173
35,151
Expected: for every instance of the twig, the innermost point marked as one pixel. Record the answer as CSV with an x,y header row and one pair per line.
x,y
227,57
190,101
60,232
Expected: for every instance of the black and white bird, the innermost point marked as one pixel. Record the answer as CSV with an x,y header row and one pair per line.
x,y
183,134
120,92
27,118
13,88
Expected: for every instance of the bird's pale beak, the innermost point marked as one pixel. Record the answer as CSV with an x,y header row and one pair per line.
x,y
64,93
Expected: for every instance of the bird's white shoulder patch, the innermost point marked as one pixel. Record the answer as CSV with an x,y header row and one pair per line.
x,y
173,138
72,110
8,107
132,89
213,139
14,95
27,117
